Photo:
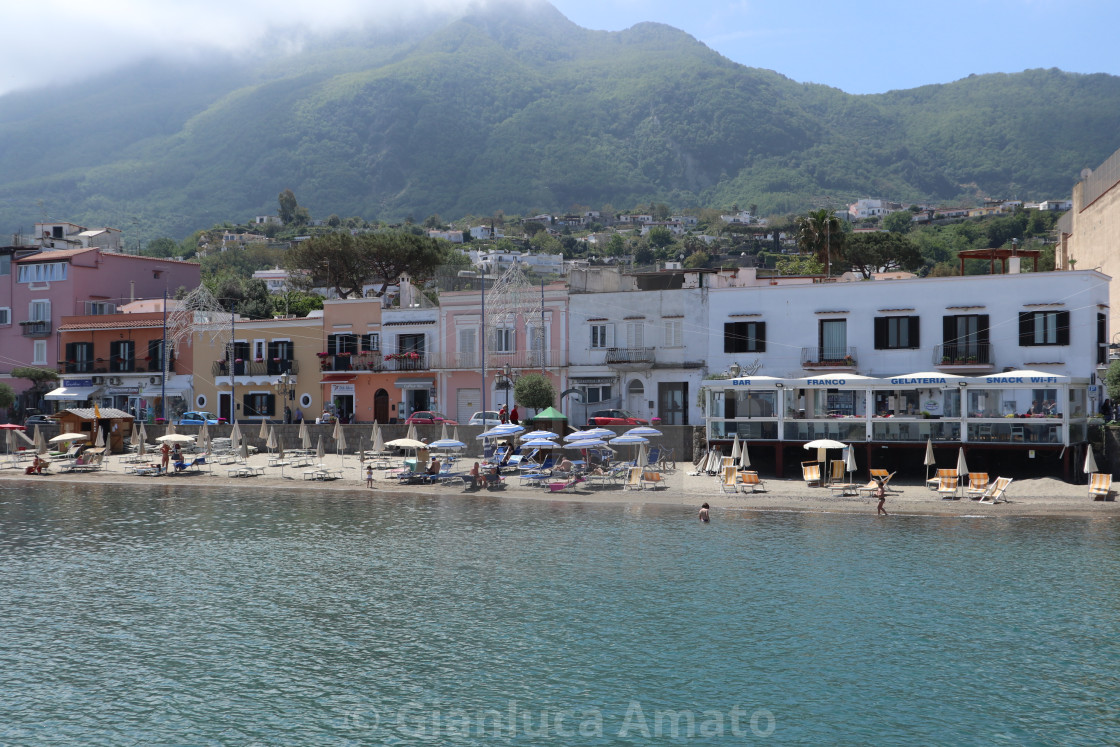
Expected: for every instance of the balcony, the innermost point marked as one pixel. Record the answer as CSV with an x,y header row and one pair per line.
x,y
255,368
829,358
36,328
376,362
965,357
472,361
630,359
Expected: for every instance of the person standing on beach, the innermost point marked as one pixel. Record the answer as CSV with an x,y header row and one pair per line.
x,y
165,456
705,515
881,494
369,475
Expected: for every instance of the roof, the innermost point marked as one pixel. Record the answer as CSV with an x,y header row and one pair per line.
x,y
89,413
114,322
52,255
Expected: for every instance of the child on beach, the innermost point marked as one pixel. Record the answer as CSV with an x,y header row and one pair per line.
x,y
369,476
881,494
704,514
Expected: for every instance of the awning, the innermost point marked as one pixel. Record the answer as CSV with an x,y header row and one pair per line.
x,y
76,393
337,378
414,383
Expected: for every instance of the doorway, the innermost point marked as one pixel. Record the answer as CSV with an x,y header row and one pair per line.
x,y
672,400
636,398
381,406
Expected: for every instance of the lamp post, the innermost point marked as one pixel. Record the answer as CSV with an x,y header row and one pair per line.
x,y
284,389
510,378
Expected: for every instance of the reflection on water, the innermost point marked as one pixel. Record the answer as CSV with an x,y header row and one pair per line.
x,y
172,615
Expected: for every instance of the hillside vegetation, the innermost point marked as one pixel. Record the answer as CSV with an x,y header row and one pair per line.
x,y
521,110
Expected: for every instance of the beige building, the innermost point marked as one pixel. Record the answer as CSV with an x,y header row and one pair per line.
x,y
1089,234
250,375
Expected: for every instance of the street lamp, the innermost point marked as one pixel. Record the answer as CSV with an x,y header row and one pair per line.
x,y
510,378
284,388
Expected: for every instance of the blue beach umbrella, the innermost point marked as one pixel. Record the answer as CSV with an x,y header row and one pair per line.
x,y
642,430
538,434
447,443
629,438
541,443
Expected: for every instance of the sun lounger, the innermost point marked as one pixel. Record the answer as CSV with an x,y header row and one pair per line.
x,y
1100,486
934,482
559,487
947,488
996,491
844,488
730,481
633,478
811,473
977,484
886,477
836,471
752,481
651,478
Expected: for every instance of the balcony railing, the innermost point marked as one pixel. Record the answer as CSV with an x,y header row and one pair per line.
x,y
963,354
496,359
255,368
115,365
375,361
825,356
36,328
616,356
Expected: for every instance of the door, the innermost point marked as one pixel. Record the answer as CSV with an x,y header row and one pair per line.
x,y
381,406
834,340
672,400
467,403
224,410
636,398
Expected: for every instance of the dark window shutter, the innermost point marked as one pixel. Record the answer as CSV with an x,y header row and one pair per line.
x,y
1026,328
881,332
1063,328
271,399
332,344
915,328
729,337
982,328
70,348
948,330
247,404
1102,329
759,337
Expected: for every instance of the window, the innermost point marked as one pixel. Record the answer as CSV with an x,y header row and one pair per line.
x,y
965,339
1102,339
602,335
79,357
5,264
635,334
281,349
155,355
258,404
744,337
1043,328
39,311
5,315
259,347
121,355
39,353
503,341
595,393
42,272
346,343
98,308
896,332
371,342
674,336
833,339
468,348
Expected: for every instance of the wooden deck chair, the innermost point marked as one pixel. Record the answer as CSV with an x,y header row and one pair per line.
x,y
934,483
995,491
836,471
1100,486
947,488
885,476
633,478
652,478
811,473
730,481
752,481
977,485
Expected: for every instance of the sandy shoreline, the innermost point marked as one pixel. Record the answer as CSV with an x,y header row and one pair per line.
x,y
1032,497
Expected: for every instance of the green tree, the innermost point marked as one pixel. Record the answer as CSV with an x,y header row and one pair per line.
x,y
534,390
659,237
898,222
869,253
333,260
433,221
533,227
7,396
799,265
696,260
821,234
1111,380
643,255
659,211
37,376
162,247
615,246
334,221
296,303
288,205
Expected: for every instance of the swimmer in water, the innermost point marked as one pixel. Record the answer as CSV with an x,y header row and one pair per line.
x,y
704,515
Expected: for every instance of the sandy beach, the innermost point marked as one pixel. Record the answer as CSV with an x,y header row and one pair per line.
x,y
1031,497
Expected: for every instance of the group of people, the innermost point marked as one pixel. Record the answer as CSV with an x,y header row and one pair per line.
x,y
509,416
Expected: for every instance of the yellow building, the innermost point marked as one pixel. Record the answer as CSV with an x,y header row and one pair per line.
x,y
271,365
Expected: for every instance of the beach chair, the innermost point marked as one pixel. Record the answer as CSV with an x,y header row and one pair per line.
x,y
730,481
934,483
811,473
753,481
947,488
995,492
1100,486
977,484
836,471
885,476
633,478
560,487
652,478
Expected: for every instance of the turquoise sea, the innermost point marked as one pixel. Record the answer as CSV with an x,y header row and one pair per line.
x,y
153,615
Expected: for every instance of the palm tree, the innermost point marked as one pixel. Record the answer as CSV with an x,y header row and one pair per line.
x,y
821,233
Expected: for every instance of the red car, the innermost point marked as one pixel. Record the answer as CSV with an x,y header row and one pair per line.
x,y
615,417
429,417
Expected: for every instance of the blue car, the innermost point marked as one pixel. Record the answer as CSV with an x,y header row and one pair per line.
x,y
198,418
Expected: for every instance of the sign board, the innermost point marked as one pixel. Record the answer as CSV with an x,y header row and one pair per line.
x,y
342,390
77,382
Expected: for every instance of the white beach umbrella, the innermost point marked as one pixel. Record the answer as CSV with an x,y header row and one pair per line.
x,y
744,458
411,432
69,437
320,450
644,430
304,435
406,443
580,436
538,434
376,440
1090,465
455,433
270,443
735,447
243,452
642,458
502,431
280,454
40,441
235,436
264,430
962,465
822,445
340,440
930,460
175,438
541,443
443,431
850,461
99,442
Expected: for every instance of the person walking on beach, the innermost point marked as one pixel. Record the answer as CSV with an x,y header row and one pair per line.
x,y
369,476
165,456
881,494
705,515
513,415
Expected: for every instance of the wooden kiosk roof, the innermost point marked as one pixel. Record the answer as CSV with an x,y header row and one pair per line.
x,y
1001,254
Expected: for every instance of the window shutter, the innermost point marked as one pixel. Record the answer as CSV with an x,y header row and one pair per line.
x,y
247,404
759,337
70,348
729,337
1063,328
332,344
948,330
982,328
610,335
271,400
915,330
880,332
1026,329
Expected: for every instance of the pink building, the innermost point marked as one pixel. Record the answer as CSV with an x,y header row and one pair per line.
x,y
45,286
524,345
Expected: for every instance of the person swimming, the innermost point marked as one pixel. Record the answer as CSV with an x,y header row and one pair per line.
x,y
705,515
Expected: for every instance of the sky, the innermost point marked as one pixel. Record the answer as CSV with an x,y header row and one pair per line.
x,y
860,47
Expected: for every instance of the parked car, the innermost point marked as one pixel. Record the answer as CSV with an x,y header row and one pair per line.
x,y
488,417
39,420
615,417
198,418
429,417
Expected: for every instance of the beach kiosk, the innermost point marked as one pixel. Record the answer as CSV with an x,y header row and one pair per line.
x,y
115,424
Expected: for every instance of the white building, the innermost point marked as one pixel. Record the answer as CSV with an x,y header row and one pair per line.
x,y
867,208
454,236
486,232
496,262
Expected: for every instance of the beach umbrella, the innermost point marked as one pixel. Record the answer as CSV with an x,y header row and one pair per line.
x,y
644,430
243,452
235,436
340,441
280,454
204,437
141,447
406,443
580,436
735,447
1090,461
443,431
320,450
541,443
264,430
40,441
24,437
376,440
538,434
175,438
930,461
142,432
744,458
628,440
850,461
642,457
99,442
601,432
411,432
304,435
822,445
962,465
270,443
502,431
447,443
11,442
69,437
455,433
585,444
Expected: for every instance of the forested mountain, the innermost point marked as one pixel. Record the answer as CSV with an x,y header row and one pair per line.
x,y
519,109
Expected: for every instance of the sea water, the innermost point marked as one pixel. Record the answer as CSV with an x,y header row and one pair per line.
x,y
173,615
